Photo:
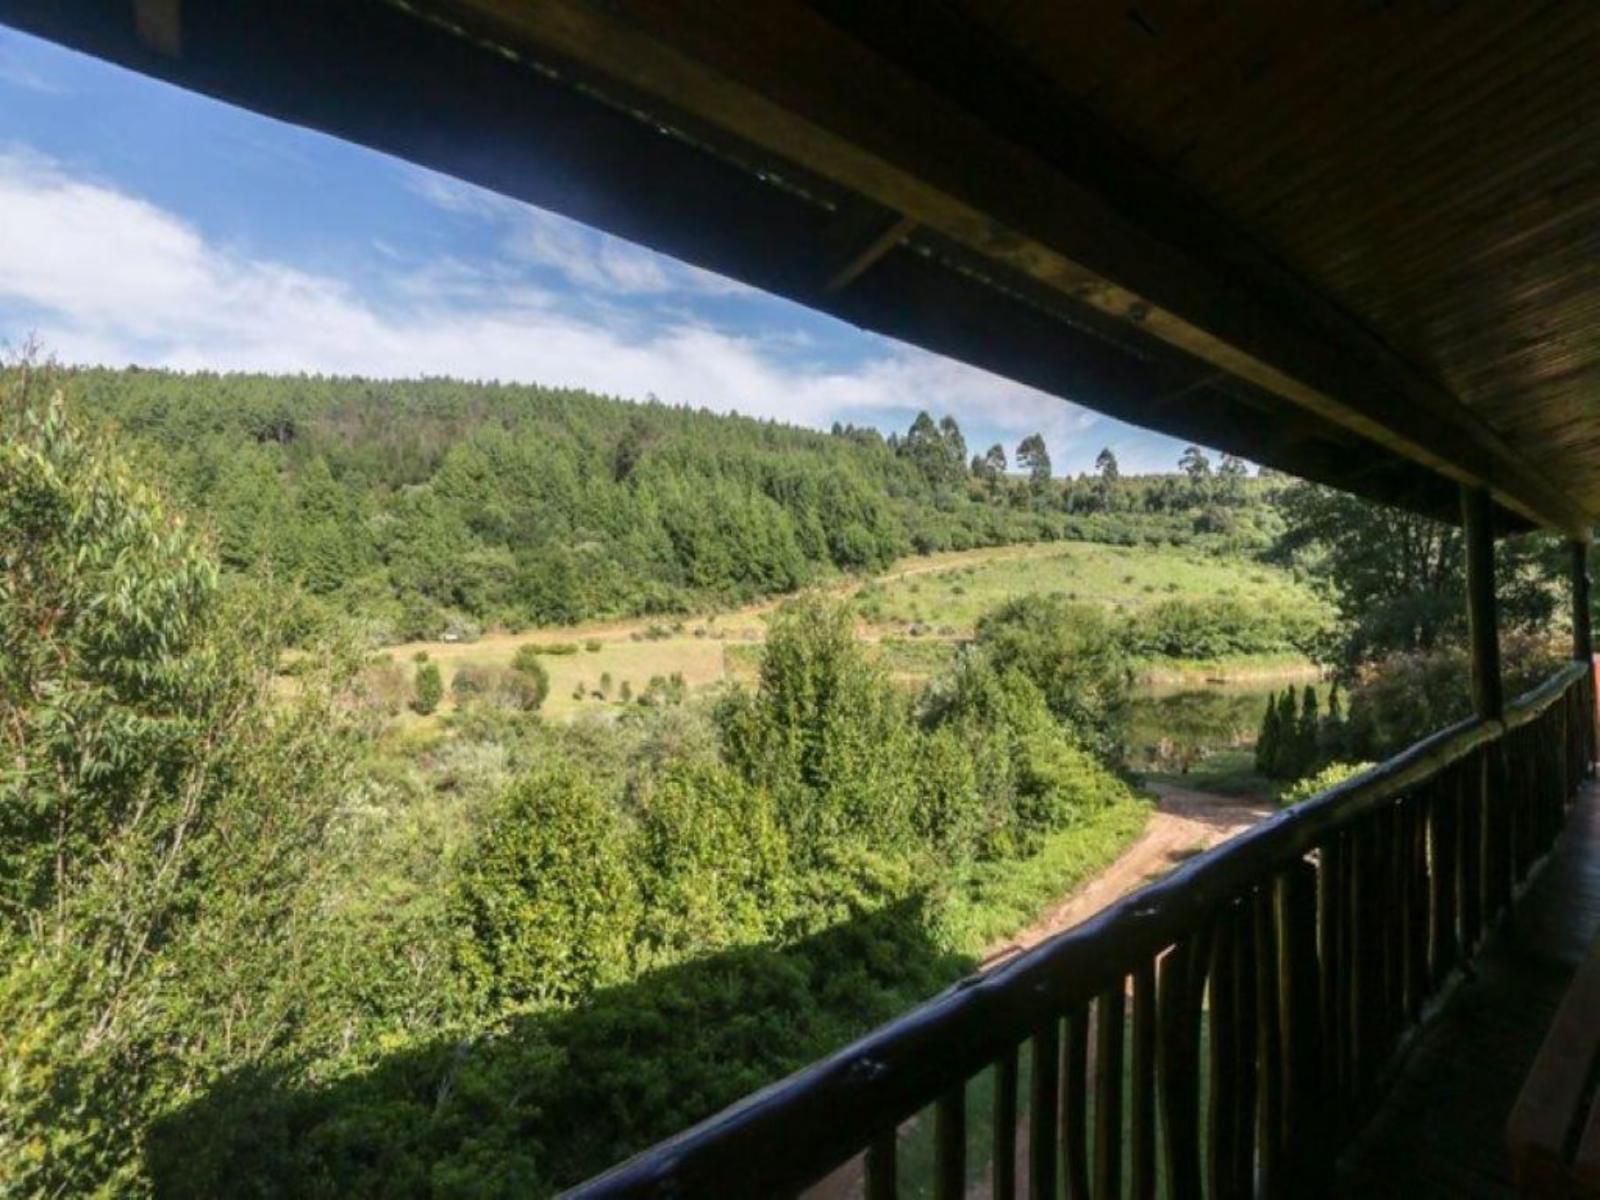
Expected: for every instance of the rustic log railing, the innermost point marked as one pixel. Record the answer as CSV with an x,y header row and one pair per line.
x,y
1218,1033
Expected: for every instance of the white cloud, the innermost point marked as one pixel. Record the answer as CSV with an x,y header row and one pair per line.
x,y
585,257
102,276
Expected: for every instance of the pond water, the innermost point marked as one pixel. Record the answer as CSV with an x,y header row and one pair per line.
x,y
1173,728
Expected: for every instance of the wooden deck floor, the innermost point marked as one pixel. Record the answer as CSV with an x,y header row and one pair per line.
x,y
1441,1130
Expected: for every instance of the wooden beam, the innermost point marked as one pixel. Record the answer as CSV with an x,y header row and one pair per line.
x,y
1582,636
779,76
870,253
1483,626
423,91
159,24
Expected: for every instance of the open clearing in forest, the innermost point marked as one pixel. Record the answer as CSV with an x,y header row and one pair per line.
x,y
1121,578
913,612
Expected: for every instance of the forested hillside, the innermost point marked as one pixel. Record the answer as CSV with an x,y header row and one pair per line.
x,y
255,942
423,505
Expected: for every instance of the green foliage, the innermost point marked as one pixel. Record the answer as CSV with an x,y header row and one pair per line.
x,y
825,732
429,686
1406,697
428,507
547,896
1033,457
1295,740
1266,750
503,687
530,668
156,809
664,690
1307,729
1320,781
947,814
1073,654
1220,627
237,967
1399,580
713,864
1287,761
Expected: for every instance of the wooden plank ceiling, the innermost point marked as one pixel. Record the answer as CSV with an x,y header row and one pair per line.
x,y
1353,241
1433,167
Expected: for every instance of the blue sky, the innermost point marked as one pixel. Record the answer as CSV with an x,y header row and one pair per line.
x,y
143,224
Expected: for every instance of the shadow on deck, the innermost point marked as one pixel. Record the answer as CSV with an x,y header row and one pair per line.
x,y
1441,1130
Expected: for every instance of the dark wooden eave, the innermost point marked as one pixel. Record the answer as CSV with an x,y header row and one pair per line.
x,y
904,167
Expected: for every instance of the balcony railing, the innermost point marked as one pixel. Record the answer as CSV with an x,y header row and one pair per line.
x,y
1220,1032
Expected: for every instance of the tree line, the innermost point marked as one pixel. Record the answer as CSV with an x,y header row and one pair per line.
x,y
435,504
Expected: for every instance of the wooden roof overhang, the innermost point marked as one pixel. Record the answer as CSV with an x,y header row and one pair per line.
x,y
1356,242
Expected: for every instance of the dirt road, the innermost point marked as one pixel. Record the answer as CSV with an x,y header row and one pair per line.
x,y
1185,823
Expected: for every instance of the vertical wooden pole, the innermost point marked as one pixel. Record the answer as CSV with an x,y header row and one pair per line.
x,y
882,1168
1109,1023
1582,637
1045,1096
1142,1114
1003,1176
950,1140
1483,627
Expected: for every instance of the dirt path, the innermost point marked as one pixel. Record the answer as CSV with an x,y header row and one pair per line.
x,y
1184,824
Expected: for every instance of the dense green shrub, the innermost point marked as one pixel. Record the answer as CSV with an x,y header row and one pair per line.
x,y
1403,698
664,690
1266,747
530,668
429,687
713,864
825,732
1075,656
949,813
548,896
521,691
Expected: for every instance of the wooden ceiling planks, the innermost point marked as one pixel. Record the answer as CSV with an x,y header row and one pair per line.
x,y
1434,168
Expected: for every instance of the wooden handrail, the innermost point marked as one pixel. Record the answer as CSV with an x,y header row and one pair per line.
x,y
787,1135
1535,701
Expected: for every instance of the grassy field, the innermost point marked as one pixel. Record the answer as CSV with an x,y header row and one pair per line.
x,y
951,597
914,614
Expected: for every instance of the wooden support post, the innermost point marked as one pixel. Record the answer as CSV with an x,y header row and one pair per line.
x,y
1483,626
1582,636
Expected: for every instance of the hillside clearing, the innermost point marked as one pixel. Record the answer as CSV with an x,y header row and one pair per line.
x,y
913,614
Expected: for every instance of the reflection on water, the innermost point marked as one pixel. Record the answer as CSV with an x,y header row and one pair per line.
x,y
1173,727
